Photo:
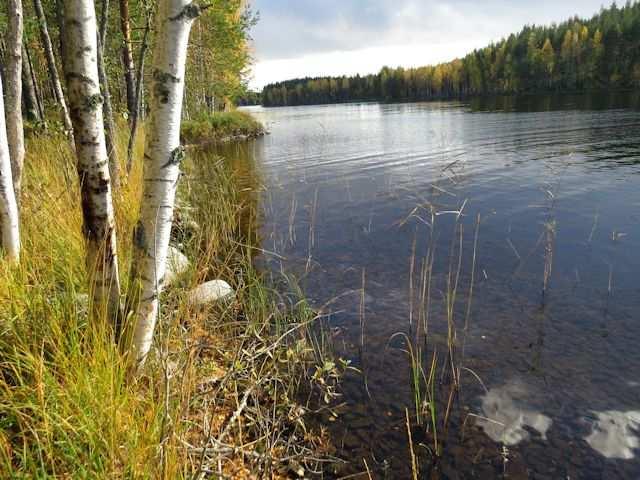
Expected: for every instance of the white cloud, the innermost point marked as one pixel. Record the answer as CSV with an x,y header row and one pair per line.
x,y
299,38
368,60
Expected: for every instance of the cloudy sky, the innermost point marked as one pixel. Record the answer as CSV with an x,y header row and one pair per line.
x,y
298,38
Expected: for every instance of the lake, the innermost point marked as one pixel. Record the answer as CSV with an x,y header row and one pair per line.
x,y
496,241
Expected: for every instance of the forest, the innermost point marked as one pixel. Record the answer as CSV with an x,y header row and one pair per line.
x,y
576,55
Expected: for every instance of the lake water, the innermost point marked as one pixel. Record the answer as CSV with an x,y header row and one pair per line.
x,y
548,372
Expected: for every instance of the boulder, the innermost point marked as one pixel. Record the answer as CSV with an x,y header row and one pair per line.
x,y
177,264
209,293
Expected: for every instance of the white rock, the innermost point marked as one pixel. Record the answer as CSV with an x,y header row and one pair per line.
x,y
82,301
210,292
177,264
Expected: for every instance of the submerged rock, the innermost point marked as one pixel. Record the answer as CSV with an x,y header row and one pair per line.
x,y
177,264
210,292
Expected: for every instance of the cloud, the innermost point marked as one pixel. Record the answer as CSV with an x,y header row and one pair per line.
x,y
302,29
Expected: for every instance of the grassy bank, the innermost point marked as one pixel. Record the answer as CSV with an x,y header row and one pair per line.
x,y
218,393
220,127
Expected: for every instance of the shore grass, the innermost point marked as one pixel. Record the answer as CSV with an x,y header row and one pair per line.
x,y
219,393
220,127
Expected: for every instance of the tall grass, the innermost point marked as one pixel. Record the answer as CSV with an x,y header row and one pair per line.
x,y
218,395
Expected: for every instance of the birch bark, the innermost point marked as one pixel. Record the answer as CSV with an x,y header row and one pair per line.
x,y
8,206
127,55
162,158
28,90
15,131
139,96
85,101
26,58
109,124
51,65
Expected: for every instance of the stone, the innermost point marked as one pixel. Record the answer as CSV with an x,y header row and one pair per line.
x,y
177,264
82,303
209,293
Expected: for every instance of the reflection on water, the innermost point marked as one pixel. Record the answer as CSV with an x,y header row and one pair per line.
x,y
506,415
345,197
615,434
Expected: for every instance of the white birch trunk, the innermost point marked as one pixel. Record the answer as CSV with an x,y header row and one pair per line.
x,y
51,64
15,131
162,157
8,207
85,101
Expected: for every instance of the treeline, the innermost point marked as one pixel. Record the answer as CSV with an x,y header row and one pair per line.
x,y
577,55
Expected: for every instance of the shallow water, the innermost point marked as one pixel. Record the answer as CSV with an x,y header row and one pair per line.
x,y
549,383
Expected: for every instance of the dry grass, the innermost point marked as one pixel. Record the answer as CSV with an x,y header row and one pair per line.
x,y
219,394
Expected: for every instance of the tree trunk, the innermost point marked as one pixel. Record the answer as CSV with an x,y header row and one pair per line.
x,y
139,96
51,65
34,82
29,91
8,207
85,100
127,56
59,8
15,131
162,158
110,130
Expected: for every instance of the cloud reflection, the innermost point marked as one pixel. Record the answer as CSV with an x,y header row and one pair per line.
x,y
506,415
615,434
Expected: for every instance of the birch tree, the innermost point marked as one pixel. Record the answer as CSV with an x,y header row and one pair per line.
x,y
28,90
127,55
162,158
51,64
8,206
15,132
109,124
85,101
33,85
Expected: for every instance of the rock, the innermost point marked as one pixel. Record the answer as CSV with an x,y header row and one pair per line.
x,y
82,302
210,292
177,264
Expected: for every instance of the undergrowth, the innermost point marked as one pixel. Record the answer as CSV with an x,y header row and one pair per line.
x,y
219,393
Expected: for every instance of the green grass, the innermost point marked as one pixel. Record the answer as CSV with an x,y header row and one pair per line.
x,y
66,410
220,126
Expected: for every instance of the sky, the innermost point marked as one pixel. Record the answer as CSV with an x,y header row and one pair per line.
x,y
299,38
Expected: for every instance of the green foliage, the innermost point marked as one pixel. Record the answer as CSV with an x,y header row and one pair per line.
x,y
218,56
577,55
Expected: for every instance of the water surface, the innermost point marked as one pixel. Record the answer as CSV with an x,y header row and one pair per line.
x,y
549,382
